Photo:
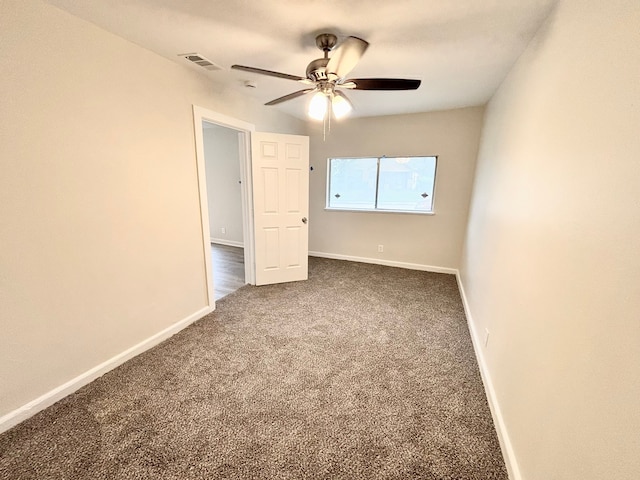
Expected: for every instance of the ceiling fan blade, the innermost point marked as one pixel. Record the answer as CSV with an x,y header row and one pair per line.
x,y
267,72
346,56
346,84
383,83
293,95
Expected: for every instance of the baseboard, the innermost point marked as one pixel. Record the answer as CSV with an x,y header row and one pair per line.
x,y
20,414
229,243
387,263
503,435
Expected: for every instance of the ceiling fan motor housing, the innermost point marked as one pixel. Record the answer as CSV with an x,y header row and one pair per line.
x,y
317,70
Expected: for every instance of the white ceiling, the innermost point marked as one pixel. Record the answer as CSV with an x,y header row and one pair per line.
x,y
460,49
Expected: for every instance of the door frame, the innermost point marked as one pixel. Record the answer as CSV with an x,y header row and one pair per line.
x,y
245,129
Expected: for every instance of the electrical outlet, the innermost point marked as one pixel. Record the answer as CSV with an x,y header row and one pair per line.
x,y
223,230
380,248
486,337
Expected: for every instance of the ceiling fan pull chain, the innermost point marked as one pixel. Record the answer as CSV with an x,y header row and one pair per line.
x,y
324,129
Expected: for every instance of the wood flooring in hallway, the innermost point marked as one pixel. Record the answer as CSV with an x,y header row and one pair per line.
x,y
228,269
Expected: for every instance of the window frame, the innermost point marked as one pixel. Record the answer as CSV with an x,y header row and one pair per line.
x,y
375,209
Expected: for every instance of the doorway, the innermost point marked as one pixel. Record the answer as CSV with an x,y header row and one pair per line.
x,y
224,178
224,197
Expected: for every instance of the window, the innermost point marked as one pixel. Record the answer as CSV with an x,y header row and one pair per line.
x,y
396,184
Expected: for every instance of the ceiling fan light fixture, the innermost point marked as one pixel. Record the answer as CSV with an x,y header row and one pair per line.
x,y
318,106
341,106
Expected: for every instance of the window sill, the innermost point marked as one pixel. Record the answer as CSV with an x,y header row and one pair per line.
x,y
403,212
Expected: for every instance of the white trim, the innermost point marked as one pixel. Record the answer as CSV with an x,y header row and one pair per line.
x,y
388,263
224,241
22,413
248,232
498,420
245,129
362,210
204,204
224,120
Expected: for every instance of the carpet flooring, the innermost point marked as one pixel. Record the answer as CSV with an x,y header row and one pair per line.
x,y
361,372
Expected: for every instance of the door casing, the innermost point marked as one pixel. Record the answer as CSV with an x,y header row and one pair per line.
x,y
245,129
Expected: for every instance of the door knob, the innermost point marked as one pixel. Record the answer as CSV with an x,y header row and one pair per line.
x,y
304,220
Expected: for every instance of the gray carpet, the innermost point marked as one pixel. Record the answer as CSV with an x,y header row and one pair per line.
x,y
362,372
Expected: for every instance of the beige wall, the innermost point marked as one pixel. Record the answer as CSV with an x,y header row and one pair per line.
x,y
551,264
101,243
224,194
428,240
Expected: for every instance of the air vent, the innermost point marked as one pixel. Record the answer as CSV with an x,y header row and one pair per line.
x,y
201,61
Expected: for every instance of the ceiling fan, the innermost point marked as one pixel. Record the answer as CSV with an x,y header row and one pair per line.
x,y
327,77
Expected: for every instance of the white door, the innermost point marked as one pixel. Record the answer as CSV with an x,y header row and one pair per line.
x,y
280,167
